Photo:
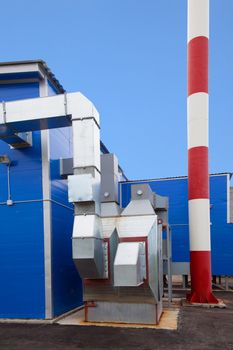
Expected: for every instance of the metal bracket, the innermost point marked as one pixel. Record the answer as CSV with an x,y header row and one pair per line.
x,y
105,256
87,118
65,103
4,111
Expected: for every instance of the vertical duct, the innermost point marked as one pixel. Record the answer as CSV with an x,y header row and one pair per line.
x,y
84,188
198,173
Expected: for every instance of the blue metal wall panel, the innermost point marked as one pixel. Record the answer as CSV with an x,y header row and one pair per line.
x,y
22,293
21,261
22,75
9,92
176,190
67,285
221,232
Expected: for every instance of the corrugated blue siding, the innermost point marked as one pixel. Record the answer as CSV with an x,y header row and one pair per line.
x,y
22,293
22,75
21,261
67,285
9,92
221,232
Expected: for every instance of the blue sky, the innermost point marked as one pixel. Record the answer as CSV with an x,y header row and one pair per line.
x,y
129,58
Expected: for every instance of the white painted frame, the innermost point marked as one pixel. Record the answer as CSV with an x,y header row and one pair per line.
x,y
47,217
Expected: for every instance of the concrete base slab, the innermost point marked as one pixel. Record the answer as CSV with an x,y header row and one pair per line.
x,y
24,321
39,321
169,320
220,305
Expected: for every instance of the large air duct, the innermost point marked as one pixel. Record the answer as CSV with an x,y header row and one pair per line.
x,y
84,185
84,192
198,173
118,253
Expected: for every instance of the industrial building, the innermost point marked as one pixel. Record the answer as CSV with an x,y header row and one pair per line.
x,y
76,232
221,211
39,278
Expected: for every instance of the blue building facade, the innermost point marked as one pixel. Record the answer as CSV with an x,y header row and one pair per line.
x,y
221,228
38,277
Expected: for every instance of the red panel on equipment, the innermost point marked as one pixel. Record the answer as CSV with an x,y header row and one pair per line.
x,y
198,173
198,65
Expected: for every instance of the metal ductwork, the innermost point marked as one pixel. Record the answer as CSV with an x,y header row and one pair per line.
x,y
118,252
17,117
84,192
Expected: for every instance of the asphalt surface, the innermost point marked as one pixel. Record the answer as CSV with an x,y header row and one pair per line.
x,y
199,329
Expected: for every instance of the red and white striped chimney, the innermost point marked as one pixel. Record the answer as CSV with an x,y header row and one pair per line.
x,y
198,173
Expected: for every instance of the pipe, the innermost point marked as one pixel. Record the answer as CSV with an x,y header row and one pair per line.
x,y
8,182
198,172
